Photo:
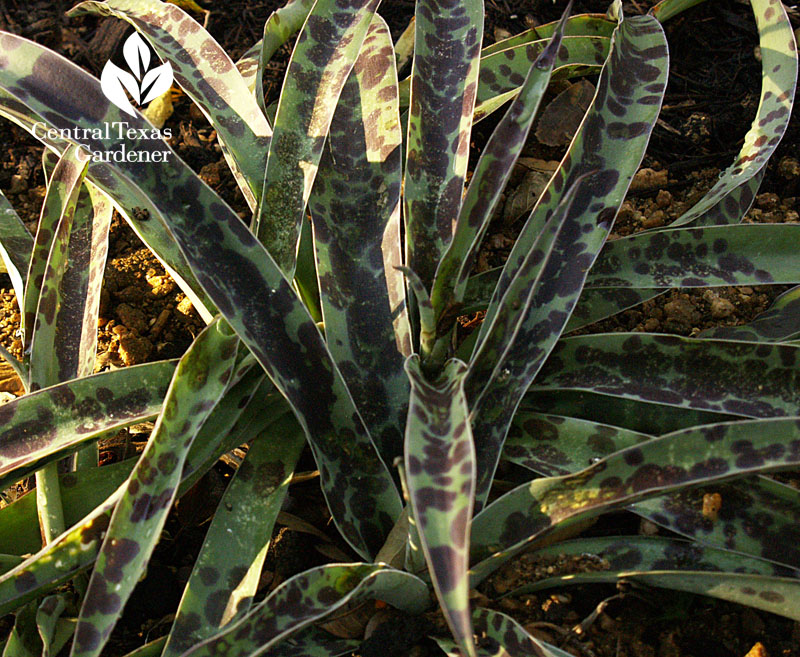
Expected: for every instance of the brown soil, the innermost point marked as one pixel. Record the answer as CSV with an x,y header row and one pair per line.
x,y
711,99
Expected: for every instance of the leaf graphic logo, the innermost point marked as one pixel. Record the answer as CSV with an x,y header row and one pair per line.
x,y
142,83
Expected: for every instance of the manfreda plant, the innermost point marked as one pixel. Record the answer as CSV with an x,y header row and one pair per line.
x,y
339,333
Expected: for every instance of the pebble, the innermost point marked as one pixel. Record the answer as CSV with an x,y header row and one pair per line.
x,y
721,308
654,220
649,179
758,650
134,350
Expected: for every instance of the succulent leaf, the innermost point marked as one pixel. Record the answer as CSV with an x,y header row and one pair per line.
x,y
440,474
321,63
444,80
355,209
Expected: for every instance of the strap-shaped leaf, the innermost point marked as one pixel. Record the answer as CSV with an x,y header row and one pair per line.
x,y
227,570
600,303
778,324
553,445
676,371
70,554
51,423
682,566
581,25
65,336
678,460
779,65
207,75
77,549
355,208
311,596
280,26
488,182
632,414
756,502
321,62
126,196
742,254
503,71
440,474
596,171
777,595
81,492
498,361
16,245
54,630
644,553
444,80
57,210
502,636
243,280
199,381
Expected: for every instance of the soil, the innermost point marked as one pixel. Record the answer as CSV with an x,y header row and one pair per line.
x,y
711,98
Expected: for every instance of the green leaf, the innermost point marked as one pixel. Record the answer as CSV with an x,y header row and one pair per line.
x,y
779,65
280,26
135,527
598,304
207,75
631,414
440,474
135,205
581,25
57,211
488,181
51,423
780,323
546,277
685,458
444,79
553,445
54,630
685,372
743,254
16,245
237,272
355,209
311,596
321,62
226,572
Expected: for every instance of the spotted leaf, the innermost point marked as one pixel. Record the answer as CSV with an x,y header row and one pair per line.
x,y
311,596
226,573
207,75
440,474
321,63
444,80
355,208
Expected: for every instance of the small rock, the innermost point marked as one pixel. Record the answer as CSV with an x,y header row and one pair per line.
x,y
131,293
160,286
651,324
10,381
654,220
134,350
789,168
758,650
647,528
721,308
185,306
649,179
663,199
132,317
767,201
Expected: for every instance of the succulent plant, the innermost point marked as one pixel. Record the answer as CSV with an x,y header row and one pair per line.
x,y
339,333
